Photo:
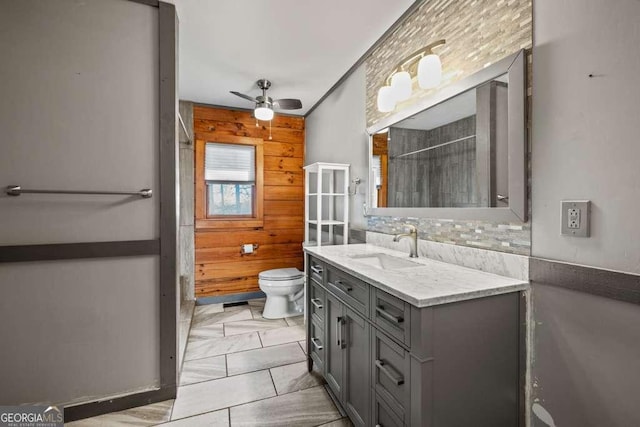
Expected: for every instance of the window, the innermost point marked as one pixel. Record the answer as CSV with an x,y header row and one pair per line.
x,y
230,175
228,182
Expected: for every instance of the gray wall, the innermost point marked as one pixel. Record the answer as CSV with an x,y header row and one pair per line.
x,y
186,247
586,369
335,132
79,109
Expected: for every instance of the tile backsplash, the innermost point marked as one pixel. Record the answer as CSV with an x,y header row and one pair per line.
x,y
513,238
477,32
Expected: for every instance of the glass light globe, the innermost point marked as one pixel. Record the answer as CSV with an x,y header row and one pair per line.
x,y
429,71
401,85
386,99
263,113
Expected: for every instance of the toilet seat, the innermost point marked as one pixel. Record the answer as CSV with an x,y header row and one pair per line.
x,y
281,274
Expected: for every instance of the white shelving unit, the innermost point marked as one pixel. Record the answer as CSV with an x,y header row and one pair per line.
x,y
326,188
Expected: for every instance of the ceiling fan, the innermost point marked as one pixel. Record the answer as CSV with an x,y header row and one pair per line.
x,y
265,104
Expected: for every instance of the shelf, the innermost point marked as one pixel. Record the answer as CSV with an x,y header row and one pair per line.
x,y
331,192
326,167
314,243
326,222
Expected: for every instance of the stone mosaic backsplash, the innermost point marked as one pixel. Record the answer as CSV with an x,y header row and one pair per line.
x,y
512,238
478,33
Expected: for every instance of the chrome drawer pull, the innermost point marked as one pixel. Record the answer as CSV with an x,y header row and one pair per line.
x,y
317,270
340,284
339,323
315,342
316,303
388,316
396,378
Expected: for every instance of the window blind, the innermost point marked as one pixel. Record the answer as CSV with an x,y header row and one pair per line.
x,y
230,162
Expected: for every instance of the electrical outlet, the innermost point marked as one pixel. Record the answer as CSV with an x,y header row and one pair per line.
x,y
575,218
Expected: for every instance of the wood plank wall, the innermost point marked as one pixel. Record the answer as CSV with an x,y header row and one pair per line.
x,y
220,268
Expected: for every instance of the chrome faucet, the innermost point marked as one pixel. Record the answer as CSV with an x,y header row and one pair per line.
x,y
413,234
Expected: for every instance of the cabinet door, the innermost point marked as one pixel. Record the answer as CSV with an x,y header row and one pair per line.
x,y
334,346
357,368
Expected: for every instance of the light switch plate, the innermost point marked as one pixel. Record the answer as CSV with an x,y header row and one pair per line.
x,y
575,218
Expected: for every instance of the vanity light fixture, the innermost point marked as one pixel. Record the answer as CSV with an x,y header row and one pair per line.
x,y
428,69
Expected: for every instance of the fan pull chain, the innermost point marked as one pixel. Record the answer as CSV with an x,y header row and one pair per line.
x,y
270,137
257,125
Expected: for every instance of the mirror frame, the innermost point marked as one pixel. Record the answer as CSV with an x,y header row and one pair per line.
x,y
515,66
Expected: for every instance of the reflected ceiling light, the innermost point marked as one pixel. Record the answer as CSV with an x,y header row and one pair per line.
x,y
427,67
386,99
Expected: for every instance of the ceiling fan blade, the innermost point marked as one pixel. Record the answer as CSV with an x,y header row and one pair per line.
x,y
288,104
242,95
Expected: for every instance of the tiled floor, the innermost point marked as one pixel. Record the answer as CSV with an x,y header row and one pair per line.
x,y
239,370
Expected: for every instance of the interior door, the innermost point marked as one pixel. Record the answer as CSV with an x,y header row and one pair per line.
x,y
87,281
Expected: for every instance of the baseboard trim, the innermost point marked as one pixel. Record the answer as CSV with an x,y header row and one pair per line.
x,y
596,281
92,409
230,298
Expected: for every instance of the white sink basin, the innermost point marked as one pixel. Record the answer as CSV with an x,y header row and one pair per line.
x,y
384,261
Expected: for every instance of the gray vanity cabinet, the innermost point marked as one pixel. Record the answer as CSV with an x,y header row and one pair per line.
x,y
334,364
390,364
347,362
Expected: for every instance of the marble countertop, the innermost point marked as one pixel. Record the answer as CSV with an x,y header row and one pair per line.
x,y
429,283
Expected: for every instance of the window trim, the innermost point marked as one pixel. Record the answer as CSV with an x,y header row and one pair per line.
x,y
202,221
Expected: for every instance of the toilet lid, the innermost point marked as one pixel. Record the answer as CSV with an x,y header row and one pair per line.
x,y
281,274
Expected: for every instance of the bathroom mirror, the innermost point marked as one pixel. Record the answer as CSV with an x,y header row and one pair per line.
x,y
459,153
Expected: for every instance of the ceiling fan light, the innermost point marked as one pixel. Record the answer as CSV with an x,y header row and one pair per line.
x,y
429,71
401,85
386,99
263,113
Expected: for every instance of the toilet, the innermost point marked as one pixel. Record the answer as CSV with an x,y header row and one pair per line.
x,y
284,288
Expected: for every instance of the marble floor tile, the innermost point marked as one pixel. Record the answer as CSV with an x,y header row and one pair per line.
x,y
210,368
256,312
212,395
304,408
209,318
223,345
264,358
147,415
210,419
295,320
254,325
205,331
208,308
257,302
303,344
282,335
342,422
294,377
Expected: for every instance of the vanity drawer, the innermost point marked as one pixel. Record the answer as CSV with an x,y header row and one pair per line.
x,y
391,372
316,345
392,315
316,270
382,415
353,291
317,301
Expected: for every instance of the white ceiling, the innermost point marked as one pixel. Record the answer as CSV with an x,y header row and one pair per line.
x,y
302,46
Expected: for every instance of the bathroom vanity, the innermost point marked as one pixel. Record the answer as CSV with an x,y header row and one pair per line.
x,y
415,342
